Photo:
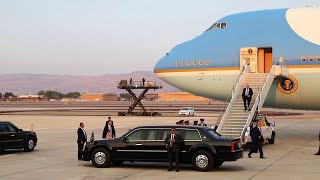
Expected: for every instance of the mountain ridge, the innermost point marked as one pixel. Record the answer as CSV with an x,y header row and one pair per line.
x,y
25,83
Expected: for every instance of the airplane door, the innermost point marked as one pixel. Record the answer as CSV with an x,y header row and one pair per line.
x,y
249,54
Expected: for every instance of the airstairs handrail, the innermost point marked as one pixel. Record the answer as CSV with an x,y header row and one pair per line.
x,y
234,93
262,94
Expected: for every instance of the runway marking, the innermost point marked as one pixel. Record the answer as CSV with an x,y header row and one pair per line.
x,y
8,155
290,152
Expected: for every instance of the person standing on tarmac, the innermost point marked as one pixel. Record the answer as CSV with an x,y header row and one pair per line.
x,y
173,142
202,122
257,139
109,131
82,139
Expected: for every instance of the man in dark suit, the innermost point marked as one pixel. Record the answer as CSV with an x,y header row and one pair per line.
x,y
173,142
256,138
82,139
202,122
246,96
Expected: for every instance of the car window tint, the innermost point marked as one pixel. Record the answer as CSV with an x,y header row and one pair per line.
x,y
214,134
11,128
3,128
192,135
137,135
151,134
165,133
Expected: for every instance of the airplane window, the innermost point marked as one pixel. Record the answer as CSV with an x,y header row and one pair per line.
x,y
310,58
206,62
177,64
194,63
219,25
318,58
201,62
211,27
223,25
182,63
189,63
303,58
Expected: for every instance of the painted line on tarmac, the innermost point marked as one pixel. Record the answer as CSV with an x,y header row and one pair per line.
x,y
8,155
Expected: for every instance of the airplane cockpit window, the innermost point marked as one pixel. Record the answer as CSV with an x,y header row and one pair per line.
x,y
218,25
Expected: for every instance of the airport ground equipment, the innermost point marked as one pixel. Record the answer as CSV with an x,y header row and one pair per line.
x,y
145,86
235,120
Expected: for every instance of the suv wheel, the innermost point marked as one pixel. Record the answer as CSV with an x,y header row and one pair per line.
x,y
100,158
202,160
29,144
273,136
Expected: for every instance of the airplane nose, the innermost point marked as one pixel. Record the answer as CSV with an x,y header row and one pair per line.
x,y
163,64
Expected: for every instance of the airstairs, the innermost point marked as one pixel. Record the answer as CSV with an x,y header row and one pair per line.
x,y
235,120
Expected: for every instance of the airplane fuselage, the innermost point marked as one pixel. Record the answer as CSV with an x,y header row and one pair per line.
x,y
210,64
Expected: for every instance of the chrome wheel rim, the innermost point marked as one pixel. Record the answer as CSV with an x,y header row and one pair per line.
x,y
30,144
202,161
100,157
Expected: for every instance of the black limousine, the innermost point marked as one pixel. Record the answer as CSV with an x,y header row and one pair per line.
x,y
202,147
12,137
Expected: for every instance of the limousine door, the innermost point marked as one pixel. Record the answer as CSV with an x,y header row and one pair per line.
x,y
134,147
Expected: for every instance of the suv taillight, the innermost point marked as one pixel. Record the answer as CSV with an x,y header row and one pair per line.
x,y
232,146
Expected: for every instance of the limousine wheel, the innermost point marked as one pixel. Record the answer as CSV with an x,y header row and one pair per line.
x,y
202,160
29,145
100,158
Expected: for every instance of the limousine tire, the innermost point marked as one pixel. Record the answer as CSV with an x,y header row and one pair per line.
x,y
202,160
100,158
273,136
29,144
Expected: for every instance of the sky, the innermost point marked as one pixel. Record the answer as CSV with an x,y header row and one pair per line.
x,y
97,37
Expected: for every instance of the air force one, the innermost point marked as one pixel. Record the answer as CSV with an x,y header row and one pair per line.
x,y
209,65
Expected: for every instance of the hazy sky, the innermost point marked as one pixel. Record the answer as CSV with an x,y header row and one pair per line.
x,y
95,37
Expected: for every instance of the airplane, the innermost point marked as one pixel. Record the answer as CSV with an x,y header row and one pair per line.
x,y
209,64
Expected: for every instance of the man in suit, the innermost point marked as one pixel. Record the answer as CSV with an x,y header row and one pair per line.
x,y
82,138
202,122
173,142
246,96
257,139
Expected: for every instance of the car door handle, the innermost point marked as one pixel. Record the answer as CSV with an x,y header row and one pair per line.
x,y
12,135
138,144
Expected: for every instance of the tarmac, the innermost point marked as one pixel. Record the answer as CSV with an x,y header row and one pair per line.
x,y
55,157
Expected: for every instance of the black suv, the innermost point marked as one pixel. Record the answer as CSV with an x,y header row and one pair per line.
x,y
201,147
12,137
